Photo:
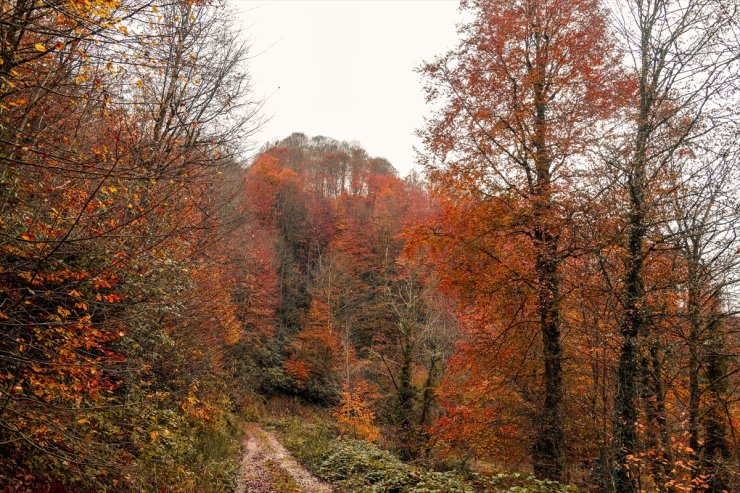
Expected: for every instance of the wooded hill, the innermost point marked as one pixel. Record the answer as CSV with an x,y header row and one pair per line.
x,y
555,295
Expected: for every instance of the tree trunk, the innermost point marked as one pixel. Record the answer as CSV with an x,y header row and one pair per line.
x,y
626,432
428,394
695,322
632,324
406,397
716,445
653,396
427,400
406,393
664,463
548,449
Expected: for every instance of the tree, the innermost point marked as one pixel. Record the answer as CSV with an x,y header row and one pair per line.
x,y
523,94
108,198
704,232
679,57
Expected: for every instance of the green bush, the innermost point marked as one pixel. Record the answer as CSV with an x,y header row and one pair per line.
x,y
355,466
518,483
358,466
274,381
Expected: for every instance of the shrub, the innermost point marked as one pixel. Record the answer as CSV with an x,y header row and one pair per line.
x,y
355,466
355,415
518,483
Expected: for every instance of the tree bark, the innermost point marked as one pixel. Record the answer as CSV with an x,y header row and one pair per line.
x,y
633,324
695,322
716,451
428,393
548,450
628,373
406,395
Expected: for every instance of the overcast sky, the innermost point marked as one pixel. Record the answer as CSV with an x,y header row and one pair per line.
x,y
345,68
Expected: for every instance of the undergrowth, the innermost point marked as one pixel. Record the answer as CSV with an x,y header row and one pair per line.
x,y
354,466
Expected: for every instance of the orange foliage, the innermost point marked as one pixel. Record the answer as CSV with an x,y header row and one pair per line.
x,y
354,414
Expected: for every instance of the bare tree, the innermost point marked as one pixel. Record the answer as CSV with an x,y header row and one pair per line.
x,y
705,232
683,59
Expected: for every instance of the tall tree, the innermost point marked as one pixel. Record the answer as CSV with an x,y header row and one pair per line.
x,y
679,54
704,231
522,95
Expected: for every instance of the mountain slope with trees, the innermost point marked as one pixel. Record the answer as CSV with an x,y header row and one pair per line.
x,y
551,306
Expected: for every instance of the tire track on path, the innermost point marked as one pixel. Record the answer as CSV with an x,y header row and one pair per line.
x,y
267,467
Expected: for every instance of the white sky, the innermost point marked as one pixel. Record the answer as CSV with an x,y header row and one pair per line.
x,y
345,68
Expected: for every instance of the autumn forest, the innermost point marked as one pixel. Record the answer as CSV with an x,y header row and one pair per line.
x,y
548,302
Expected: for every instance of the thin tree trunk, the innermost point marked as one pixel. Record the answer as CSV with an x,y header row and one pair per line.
x,y
665,459
648,399
695,321
426,402
657,435
406,392
428,393
716,444
406,397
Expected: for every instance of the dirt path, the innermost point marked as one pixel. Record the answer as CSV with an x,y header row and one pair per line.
x,y
268,468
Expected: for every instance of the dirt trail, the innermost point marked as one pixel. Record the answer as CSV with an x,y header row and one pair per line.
x,y
268,468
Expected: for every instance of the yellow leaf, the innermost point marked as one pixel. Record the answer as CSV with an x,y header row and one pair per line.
x,y
40,47
82,421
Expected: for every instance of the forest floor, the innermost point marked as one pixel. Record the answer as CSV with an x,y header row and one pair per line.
x,y
267,467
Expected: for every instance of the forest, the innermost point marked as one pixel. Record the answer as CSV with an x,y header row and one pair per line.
x,y
548,303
